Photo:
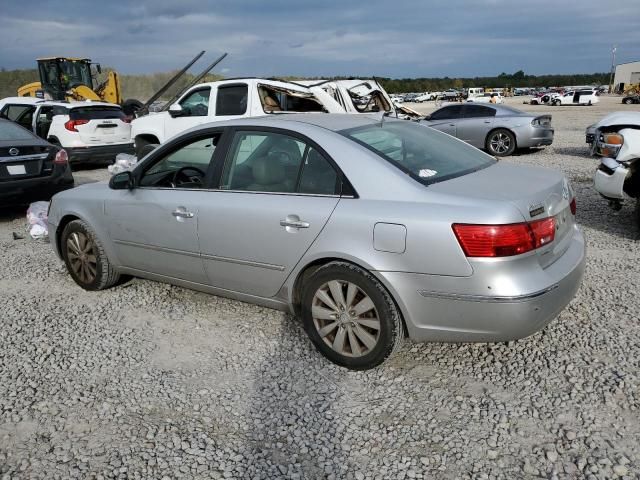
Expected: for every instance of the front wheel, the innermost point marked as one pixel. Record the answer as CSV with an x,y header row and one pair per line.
x,y
85,257
350,317
627,101
500,143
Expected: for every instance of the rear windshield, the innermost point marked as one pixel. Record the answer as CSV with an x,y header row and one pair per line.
x,y
9,131
96,113
427,155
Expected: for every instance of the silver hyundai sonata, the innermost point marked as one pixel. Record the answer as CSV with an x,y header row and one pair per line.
x,y
368,229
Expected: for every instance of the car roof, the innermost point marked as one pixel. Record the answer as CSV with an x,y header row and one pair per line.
x,y
330,121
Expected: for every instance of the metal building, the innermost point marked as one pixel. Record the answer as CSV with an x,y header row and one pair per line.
x,y
626,73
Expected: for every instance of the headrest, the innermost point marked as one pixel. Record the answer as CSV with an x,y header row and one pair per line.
x,y
268,170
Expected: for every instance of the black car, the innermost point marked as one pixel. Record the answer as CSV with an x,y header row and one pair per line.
x,y
30,168
628,100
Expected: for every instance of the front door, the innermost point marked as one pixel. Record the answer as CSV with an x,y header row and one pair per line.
x,y
154,226
195,111
276,194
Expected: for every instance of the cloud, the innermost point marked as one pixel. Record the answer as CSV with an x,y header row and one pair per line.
x,y
285,37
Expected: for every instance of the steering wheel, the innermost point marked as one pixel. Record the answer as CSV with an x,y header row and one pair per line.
x,y
181,173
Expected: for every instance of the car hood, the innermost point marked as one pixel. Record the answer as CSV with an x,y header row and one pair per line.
x,y
618,118
527,188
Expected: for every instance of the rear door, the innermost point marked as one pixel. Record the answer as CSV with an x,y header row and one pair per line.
x,y
100,124
476,122
277,191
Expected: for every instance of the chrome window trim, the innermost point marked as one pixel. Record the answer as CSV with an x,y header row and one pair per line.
x,y
20,158
246,191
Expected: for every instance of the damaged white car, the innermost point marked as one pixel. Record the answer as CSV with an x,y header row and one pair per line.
x,y
226,100
616,138
361,96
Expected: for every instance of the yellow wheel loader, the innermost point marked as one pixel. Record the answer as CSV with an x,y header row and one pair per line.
x,y
63,78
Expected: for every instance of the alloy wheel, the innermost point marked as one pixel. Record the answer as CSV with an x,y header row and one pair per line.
x,y
82,257
346,319
500,142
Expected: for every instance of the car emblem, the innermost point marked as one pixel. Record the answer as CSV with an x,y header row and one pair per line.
x,y
536,209
13,151
565,189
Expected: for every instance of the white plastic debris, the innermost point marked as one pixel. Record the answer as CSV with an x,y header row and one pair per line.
x,y
123,162
37,220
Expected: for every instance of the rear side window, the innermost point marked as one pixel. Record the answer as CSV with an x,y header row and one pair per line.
x,y
96,113
12,132
232,100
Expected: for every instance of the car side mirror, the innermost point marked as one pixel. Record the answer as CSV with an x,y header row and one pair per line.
x,y
122,181
176,110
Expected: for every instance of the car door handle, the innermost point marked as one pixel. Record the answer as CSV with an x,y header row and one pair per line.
x,y
294,223
487,121
182,214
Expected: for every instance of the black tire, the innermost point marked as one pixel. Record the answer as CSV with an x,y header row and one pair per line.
x,y
391,331
500,142
105,275
627,101
131,106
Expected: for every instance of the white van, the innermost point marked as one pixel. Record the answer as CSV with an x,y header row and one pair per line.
x,y
474,92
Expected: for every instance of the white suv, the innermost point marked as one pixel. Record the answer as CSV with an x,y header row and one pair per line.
x,y
88,131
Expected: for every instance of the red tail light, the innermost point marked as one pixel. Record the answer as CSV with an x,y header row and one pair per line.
x,y
504,240
573,206
72,124
61,157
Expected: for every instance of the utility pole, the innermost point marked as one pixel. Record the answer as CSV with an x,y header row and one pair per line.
x,y
613,66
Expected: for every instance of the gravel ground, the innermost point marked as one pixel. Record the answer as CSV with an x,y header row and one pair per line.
x,y
152,381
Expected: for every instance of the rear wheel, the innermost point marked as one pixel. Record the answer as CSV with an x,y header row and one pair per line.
x,y
500,142
350,317
627,101
131,106
85,257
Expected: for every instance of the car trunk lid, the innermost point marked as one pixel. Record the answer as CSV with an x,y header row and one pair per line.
x,y
27,162
104,124
536,192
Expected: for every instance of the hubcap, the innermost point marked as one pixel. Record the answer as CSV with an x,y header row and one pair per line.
x,y
500,142
345,318
82,256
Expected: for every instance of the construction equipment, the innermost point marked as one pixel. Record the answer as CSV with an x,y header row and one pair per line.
x,y
631,89
65,78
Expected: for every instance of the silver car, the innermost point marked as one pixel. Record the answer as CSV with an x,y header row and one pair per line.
x,y
498,129
368,229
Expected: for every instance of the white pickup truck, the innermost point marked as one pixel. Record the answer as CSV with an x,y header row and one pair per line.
x,y
225,100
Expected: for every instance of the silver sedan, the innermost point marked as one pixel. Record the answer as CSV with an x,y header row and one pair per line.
x,y
498,129
367,229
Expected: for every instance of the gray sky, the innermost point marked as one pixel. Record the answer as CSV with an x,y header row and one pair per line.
x,y
412,38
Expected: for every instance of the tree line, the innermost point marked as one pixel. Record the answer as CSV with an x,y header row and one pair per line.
x,y
143,86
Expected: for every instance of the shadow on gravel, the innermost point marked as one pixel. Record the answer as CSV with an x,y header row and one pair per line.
x,y
595,213
580,152
294,411
7,214
83,166
521,152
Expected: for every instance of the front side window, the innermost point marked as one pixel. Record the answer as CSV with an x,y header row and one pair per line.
x,y
196,104
273,162
427,155
232,100
476,111
184,167
454,111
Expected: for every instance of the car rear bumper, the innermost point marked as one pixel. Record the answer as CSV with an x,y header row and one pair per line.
x,y
98,153
500,306
16,192
537,137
